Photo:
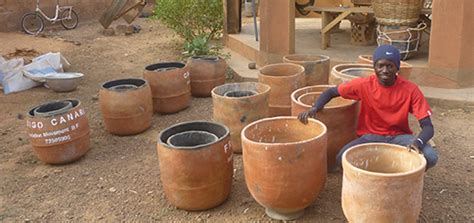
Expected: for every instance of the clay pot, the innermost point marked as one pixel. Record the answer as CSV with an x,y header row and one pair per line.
x,y
405,68
196,166
316,67
206,72
170,86
339,116
382,183
58,131
238,104
126,106
284,164
345,72
283,78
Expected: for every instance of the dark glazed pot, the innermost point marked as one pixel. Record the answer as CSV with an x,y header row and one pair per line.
x,y
339,116
238,104
283,78
196,164
126,106
316,67
284,164
170,86
206,72
382,183
59,131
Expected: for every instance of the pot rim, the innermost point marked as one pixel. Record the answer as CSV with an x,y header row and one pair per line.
x,y
266,86
244,137
353,65
75,103
323,58
165,63
192,148
119,79
295,100
391,175
301,69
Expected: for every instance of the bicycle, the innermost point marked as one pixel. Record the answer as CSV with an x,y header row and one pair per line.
x,y
33,22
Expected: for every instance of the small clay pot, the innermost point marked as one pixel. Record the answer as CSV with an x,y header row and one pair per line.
x,y
170,86
206,72
339,116
345,72
284,164
126,106
405,68
283,78
238,104
316,67
196,169
382,183
59,131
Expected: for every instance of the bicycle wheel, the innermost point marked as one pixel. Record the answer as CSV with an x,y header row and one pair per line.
x,y
32,23
69,23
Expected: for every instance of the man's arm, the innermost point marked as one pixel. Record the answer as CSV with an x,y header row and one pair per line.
x,y
323,99
427,132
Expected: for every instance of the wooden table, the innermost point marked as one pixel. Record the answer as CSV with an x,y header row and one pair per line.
x,y
327,23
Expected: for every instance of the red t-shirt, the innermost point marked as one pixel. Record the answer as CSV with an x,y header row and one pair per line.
x,y
384,110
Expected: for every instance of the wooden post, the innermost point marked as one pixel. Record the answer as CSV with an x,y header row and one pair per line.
x,y
232,16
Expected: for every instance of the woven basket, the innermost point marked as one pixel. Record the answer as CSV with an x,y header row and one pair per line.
x,y
397,12
405,39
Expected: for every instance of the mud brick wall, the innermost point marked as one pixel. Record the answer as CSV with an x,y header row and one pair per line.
x,y
11,11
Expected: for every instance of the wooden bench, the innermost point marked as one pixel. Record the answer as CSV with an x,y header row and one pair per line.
x,y
328,23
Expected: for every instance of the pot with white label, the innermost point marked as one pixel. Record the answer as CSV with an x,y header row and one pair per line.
x,y
196,164
59,131
170,86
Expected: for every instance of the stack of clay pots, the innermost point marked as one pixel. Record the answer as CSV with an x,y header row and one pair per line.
x,y
206,73
126,106
382,183
238,104
59,131
339,115
283,78
284,164
170,86
316,67
196,164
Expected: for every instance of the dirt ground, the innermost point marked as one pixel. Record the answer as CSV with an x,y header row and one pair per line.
x,y
119,178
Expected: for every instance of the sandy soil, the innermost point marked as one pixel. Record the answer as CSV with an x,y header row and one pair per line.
x,y
118,180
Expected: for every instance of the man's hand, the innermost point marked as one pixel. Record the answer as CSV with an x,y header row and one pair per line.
x,y
414,147
303,116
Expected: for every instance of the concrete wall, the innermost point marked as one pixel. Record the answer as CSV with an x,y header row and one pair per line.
x,y
11,11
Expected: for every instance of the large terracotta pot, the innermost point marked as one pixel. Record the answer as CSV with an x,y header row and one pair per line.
x,y
382,183
283,78
59,131
207,72
284,164
238,104
339,116
316,67
170,86
196,164
345,72
126,106
405,68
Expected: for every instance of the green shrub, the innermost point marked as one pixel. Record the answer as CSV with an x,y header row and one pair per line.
x,y
191,19
200,45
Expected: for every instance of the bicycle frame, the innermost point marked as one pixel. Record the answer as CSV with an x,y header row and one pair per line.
x,y
56,16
